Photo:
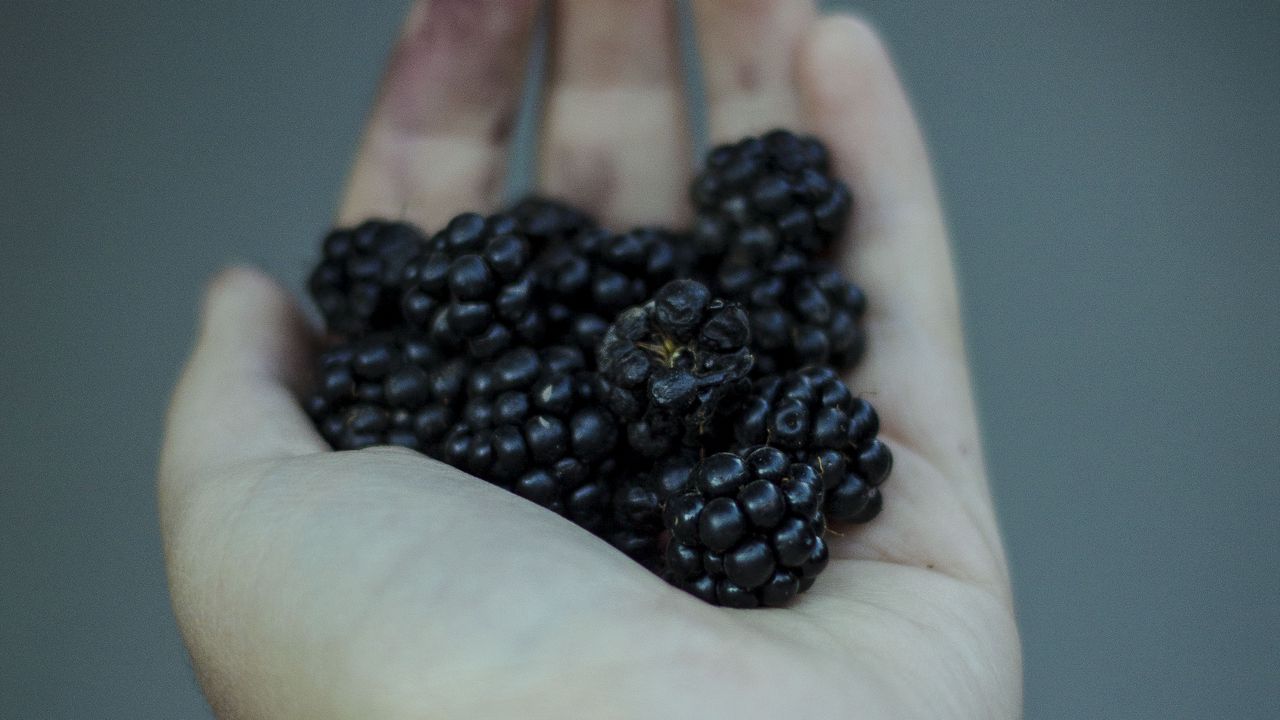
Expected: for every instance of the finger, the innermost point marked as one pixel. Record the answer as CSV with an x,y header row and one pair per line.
x,y
437,141
615,139
236,399
748,50
899,251
915,370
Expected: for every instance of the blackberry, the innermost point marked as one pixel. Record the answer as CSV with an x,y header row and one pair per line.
x,y
668,367
472,290
763,196
748,531
591,277
356,285
809,315
528,422
371,390
638,497
813,416
698,425
473,287
546,222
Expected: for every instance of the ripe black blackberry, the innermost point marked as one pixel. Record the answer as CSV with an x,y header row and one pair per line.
x,y
472,291
473,288
748,531
638,497
371,390
590,278
760,197
814,417
528,422
808,315
356,284
546,222
666,368
582,370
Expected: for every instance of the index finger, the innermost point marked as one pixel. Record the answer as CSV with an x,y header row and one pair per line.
x,y
438,138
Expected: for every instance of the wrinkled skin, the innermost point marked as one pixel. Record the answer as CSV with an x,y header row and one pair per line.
x,y
381,584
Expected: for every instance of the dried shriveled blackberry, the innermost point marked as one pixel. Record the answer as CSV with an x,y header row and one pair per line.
x,y
763,196
809,315
529,422
372,390
814,417
666,368
749,530
356,285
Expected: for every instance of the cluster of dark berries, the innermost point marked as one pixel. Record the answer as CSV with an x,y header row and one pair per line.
x,y
675,392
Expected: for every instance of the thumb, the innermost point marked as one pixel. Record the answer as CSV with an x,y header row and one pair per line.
x,y
236,399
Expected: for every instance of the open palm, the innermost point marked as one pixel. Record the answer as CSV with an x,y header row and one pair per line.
x,y
382,584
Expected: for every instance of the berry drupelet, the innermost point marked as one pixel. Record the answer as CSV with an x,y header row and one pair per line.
x,y
669,367
748,531
812,416
810,315
356,285
761,197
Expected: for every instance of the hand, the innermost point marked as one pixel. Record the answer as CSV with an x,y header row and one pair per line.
x,y
382,584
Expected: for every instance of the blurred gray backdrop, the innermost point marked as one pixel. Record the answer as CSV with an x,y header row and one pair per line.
x,y
1111,174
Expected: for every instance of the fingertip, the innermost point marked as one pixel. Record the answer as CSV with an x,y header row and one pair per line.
x,y
413,21
614,134
240,299
841,60
440,131
237,287
856,102
237,398
845,30
749,63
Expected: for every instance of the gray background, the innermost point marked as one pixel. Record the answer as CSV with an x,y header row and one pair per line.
x,y
1110,170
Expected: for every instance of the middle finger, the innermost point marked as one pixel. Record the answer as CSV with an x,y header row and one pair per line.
x,y
615,138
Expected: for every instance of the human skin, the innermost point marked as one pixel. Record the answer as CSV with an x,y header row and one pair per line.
x,y
382,584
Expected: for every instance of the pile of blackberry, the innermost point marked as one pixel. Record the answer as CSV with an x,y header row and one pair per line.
x,y
676,392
